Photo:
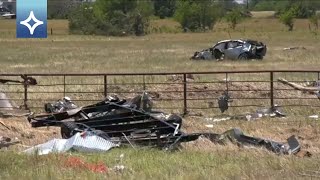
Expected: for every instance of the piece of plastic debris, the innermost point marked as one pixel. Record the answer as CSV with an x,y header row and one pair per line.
x,y
209,125
221,119
314,116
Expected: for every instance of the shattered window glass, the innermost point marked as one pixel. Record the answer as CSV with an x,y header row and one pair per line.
x,y
232,44
220,46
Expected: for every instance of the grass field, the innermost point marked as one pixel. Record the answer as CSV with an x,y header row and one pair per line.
x,y
163,52
166,50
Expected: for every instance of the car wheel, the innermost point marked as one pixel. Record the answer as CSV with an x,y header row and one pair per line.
x,y
260,57
67,129
243,56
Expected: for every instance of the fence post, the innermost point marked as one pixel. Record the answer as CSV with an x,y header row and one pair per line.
x,y
271,89
64,86
25,101
105,83
227,83
185,107
144,82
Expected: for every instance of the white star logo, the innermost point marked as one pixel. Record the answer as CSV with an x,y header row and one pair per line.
x,y
34,26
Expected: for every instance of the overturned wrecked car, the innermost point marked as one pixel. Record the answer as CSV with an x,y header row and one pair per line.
x,y
233,49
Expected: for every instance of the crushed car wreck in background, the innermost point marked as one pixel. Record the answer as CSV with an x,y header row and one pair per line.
x,y
233,49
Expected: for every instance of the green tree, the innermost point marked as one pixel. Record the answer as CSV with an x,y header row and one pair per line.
x,y
287,18
59,9
234,18
197,15
164,8
314,20
112,17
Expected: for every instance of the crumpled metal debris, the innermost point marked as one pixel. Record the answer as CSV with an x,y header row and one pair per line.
x,y
81,142
26,80
127,121
6,142
236,136
223,102
275,111
61,105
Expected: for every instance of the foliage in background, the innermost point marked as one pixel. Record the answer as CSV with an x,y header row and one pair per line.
x,y
60,9
314,20
287,18
111,17
234,17
298,9
197,15
283,5
164,8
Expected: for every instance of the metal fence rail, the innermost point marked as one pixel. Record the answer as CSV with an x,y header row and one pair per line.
x,y
183,91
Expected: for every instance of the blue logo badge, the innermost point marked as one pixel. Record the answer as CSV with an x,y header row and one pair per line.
x,y
31,19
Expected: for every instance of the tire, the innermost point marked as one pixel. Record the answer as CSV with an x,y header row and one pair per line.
x,y
260,58
67,129
243,56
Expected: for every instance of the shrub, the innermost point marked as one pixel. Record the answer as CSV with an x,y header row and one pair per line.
x,y
287,18
197,15
111,17
234,18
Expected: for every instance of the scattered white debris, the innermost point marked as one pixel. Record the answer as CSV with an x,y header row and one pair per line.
x,y
293,48
221,119
118,168
314,116
217,119
82,142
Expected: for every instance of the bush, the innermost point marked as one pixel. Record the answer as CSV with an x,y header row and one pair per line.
x,y
298,9
59,9
111,17
287,18
234,17
197,15
314,20
164,8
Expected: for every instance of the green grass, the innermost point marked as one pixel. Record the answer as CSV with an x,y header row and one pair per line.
x,y
156,164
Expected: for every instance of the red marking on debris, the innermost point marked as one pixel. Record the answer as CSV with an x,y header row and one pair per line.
x,y
83,134
75,162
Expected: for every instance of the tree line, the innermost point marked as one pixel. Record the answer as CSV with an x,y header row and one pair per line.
x,y
127,17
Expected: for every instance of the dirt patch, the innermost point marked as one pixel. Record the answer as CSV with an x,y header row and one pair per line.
x,y
20,129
